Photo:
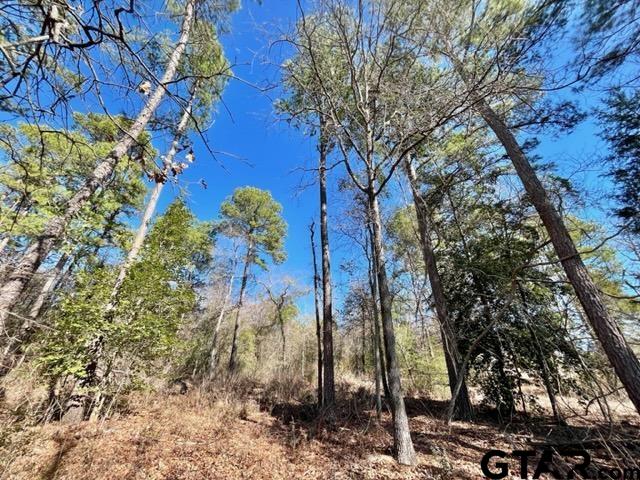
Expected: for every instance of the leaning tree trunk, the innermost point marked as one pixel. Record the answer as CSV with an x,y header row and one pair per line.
x,y
316,301
7,361
52,280
233,357
329,394
3,244
53,230
403,445
463,409
608,332
152,204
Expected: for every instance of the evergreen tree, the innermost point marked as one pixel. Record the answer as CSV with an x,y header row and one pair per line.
x,y
621,129
254,217
155,298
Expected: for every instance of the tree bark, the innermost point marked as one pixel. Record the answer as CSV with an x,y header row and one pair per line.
x,y
233,360
316,300
377,357
52,280
213,354
283,355
7,361
53,230
376,367
363,357
463,409
3,244
152,204
373,286
329,393
403,444
608,332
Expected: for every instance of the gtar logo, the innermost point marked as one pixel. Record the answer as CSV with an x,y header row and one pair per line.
x,y
496,464
544,465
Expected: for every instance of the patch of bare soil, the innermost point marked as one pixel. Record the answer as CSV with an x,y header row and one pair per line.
x,y
191,437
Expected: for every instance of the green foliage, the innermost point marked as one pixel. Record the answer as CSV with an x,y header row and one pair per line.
x,y
247,349
423,372
154,300
499,281
44,167
402,229
611,34
206,63
254,216
621,129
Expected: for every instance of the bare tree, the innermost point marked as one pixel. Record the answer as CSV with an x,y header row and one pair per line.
x,y
316,301
223,309
285,309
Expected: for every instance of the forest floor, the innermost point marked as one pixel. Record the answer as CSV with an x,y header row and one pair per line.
x,y
256,436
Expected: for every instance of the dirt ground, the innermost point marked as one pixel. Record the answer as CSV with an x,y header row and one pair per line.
x,y
196,437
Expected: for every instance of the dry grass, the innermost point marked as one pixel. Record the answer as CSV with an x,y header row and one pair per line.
x,y
264,433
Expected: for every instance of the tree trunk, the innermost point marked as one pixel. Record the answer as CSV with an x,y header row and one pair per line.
x,y
283,356
243,285
316,300
96,371
373,286
608,332
363,359
3,244
403,445
546,377
152,204
329,394
213,354
24,331
543,365
5,262
463,409
53,230
376,343
508,406
52,280
427,336
376,368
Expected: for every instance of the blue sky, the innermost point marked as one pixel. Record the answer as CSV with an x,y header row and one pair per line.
x,y
256,149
